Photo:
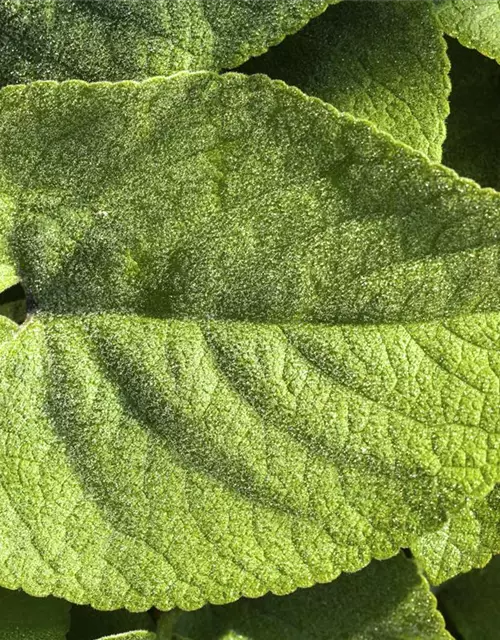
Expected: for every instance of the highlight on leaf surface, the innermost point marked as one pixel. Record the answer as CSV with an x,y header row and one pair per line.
x,y
472,144
382,61
265,348
475,23
467,541
385,600
23,617
470,602
133,39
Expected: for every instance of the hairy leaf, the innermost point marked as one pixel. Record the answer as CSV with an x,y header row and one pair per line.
x,y
261,323
89,624
25,618
126,39
385,600
467,540
470,602
383,61
475,23
472,145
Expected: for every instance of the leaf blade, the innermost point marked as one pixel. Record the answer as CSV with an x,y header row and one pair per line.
x,y
145,377
128,39
380,61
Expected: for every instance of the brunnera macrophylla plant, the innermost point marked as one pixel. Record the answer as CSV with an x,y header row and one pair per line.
x,y
250,319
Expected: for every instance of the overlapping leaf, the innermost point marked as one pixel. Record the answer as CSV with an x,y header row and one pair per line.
x,y
471,602
25,618
129,39
383,61
467,541
475,23
472,145
386,600
266,343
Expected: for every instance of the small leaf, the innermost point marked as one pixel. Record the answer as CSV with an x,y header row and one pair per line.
x,y
475,23
266,347
470,602
89,624
132,635
23,617
385,600
383,61
467,540
472,145
126,39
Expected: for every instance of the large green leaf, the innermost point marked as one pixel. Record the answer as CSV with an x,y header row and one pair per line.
x,y
383,61
25,618
383,601
467,540
266,343
472,145
475,23
125,39
470,602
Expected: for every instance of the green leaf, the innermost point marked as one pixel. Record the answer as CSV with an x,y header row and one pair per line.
x,y
132,39
266,347
470,602
25,618
89,624
467,540
383,61
475,23
133,635
472,145
385,600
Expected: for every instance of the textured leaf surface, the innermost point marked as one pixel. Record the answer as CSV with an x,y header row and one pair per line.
x,y
470,602
25,618
132,635
472,145
89,624
383,61
385,600
131,39
475,23
467,540
266,344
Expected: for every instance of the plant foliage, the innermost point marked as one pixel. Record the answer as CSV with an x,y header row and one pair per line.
x,y
249,324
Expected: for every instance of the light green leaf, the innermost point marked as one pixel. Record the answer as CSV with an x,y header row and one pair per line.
x,y
383,61
89,624
467,540
383,601
25,618
475,23
266,347
131,39
470,602
472,145
133,635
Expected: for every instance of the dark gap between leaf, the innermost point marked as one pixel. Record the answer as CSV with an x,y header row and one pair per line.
x,y
15,304
450,625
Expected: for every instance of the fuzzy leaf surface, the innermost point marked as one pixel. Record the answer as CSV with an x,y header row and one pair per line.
x,y
132,39
260,322
470,602
472,144
23,617
382,61
385,600
467,541
475,23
